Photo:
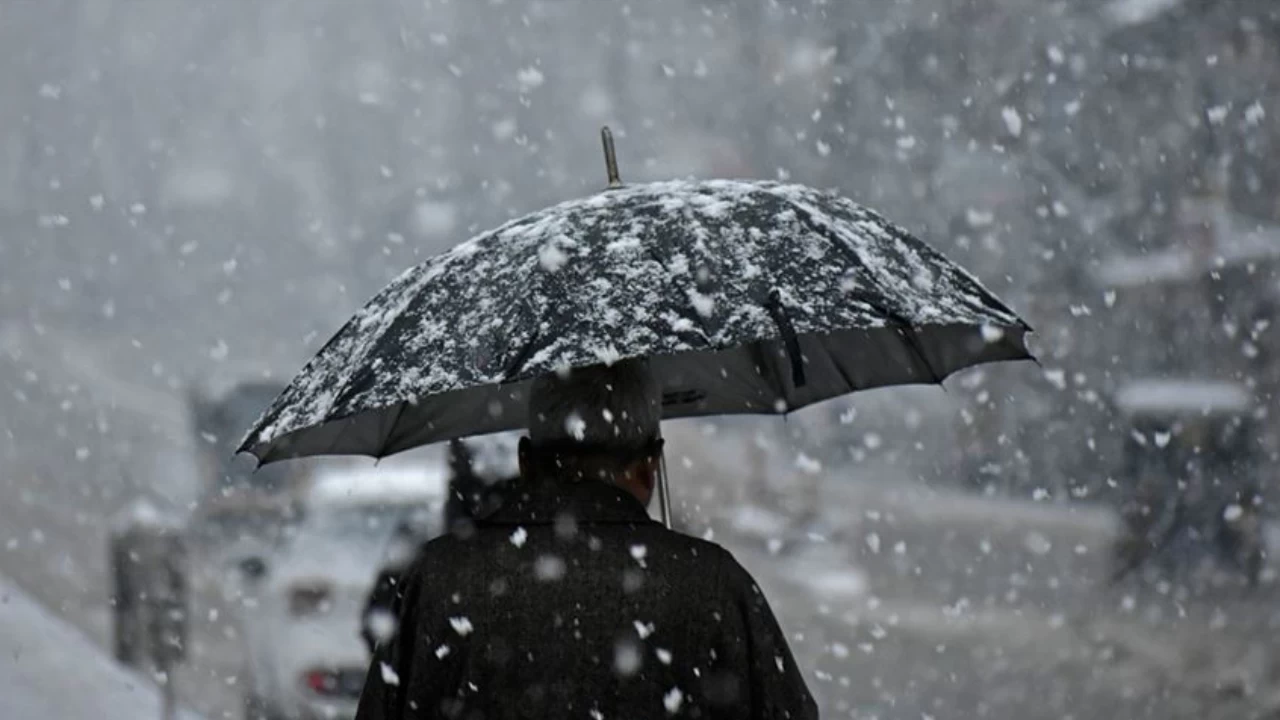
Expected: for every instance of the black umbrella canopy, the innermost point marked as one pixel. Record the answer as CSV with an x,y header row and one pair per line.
x,y
747,296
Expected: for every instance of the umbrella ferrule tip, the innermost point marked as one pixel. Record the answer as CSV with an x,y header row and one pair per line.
x,y
610,157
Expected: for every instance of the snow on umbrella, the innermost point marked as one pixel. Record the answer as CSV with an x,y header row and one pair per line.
x,y
747,296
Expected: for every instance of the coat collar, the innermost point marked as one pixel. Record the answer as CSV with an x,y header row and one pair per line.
x,y
528,502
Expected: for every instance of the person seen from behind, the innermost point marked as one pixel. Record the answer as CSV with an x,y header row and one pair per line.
x,y
568,601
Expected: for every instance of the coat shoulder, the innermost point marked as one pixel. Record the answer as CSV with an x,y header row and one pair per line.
x,y
433,556
730,573
709,554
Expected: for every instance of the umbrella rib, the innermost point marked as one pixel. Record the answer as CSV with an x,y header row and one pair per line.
x,y
905,328
761,360
391,428
913,341
521,357
844,375
654,256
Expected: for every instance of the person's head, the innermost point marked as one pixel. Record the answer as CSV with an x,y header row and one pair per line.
x,y
599,423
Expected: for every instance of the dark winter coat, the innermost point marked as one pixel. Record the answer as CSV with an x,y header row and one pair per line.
x,y
469,497
569,602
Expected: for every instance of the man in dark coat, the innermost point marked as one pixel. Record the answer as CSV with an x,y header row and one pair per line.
x,y
569,602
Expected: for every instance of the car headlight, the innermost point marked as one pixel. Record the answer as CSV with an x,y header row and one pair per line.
x,y
313,598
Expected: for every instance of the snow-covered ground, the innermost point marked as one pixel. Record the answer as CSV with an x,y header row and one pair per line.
x,y
48,670
903,601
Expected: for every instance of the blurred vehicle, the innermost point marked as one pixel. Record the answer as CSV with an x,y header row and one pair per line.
x,y
1193,501
241,510
301,601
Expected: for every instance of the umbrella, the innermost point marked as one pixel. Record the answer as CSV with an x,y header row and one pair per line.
x,y
746,296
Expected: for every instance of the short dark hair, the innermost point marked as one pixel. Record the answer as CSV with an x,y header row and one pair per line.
x,y
614,407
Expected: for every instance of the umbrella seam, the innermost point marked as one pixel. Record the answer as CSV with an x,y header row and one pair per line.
x,y
653,255
521,358
391,427
908,333
848,379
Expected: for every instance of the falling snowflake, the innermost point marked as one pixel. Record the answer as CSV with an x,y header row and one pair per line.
x,y
664,656
1254,113
549,568
626,659
389,675
1037,543
1057,377
638,553
442,651
530,78
644,629
992,334
576,426
381,624
519,536
504,129
808,465
219,352
979,218
1012,121
461,625
672,700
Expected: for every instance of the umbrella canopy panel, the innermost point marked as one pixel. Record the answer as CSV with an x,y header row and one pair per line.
x,y
749,297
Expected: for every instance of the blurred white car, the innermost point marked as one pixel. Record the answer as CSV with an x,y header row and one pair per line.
x,y
300,604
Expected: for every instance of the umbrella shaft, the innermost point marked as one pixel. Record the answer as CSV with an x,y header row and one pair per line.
x,y
664,495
